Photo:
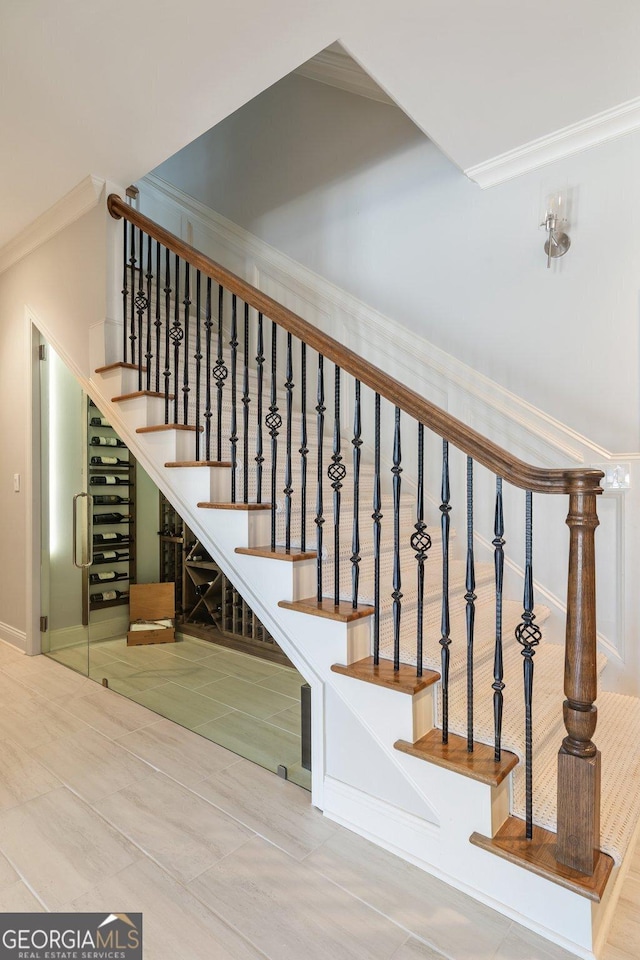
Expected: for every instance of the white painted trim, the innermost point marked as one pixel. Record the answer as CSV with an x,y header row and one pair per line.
x,y
71,207
336,68
15,638
608,125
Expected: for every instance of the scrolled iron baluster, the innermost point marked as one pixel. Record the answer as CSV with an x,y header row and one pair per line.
x,y
420,544
141,303
220,374
319,518
233,439
149,351
186,389
259,444
355,536
470,598
274,422
288,478
376,516
125,289
198,359
396,470
208,323
304,448
445,624
132,316
246,400
336,473
158,320
177,335
167,332
498,666
528,635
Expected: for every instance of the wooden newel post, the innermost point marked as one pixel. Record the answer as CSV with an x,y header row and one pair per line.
x,y
579,759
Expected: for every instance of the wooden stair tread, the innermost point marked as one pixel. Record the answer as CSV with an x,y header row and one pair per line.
x,y
207,505
120,365
280,553
140,393
383,674
158,428
343,612
199,463
479,765
538,856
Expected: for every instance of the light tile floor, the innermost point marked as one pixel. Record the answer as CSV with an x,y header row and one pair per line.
x,y
104,806
249,705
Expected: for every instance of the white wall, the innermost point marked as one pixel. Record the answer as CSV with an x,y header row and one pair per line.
x,y
61,284
350,188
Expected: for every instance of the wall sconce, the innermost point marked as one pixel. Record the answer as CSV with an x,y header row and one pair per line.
x,y
555,222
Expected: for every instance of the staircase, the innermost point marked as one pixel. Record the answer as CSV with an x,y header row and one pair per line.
x,y
326,490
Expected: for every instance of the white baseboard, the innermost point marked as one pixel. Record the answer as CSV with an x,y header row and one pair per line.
x,y
15,638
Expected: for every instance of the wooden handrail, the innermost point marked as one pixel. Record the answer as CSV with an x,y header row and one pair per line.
x,y
484,451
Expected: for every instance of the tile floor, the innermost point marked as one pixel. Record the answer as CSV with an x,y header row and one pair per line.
x,y
249,705
106,806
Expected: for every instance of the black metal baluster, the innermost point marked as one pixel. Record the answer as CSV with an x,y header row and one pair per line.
x,y
528,635
233,439
207,366
421,544
273,422
158,320
259,445
304,449
125,290
185,355
176,335
376,516
470,597
220,374
355,536
396,470
198,359
149,352
245,409
445,625
288,477
141,305
498,668
132,268
336,473
167,332
319,521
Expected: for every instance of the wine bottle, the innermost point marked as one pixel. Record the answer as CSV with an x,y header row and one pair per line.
x,y
99,422
103,556
107,575
107,498
108,462
110,480
107,442
202,588
105,537
115,517
108,595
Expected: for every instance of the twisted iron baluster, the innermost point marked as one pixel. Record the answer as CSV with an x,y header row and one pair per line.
x,y
498,670
198,358
177,334
125,290
304,449
185,356
141,305
396,470
149,353
319,521
288,489
355,538
259,448
167,329
273,422
158,320
132,269
233,439
470,597
336,473
207,365
528,635
245,408
421,544
376,516
220,373
445,626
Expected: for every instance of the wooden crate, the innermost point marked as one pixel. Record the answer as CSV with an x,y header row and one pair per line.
x,y
152,601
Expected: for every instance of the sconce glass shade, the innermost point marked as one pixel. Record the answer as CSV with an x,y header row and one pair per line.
x,y
554,222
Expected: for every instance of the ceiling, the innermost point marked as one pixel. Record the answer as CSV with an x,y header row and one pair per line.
x,y
114,89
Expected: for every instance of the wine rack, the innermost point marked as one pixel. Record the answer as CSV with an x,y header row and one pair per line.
x,y
112,483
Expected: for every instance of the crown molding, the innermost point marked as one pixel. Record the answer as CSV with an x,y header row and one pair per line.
x,y
337,69
71,207
608,125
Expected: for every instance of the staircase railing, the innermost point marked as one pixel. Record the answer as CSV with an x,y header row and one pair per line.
x,y
162,277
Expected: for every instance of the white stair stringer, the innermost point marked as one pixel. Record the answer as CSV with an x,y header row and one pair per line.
x,y
458,806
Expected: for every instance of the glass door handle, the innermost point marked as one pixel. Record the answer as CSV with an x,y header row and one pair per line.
x,y
89,544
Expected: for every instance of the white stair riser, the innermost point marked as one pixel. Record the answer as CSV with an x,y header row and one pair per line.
x,y
296,582
143,411
391,714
